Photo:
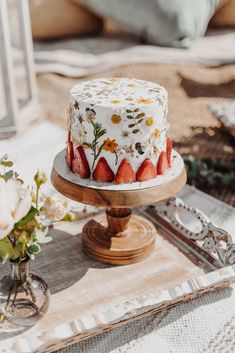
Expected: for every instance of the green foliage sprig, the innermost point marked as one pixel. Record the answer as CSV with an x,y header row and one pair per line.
x,y
210,173
98,132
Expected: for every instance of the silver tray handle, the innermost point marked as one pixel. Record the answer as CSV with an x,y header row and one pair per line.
x,y
196,226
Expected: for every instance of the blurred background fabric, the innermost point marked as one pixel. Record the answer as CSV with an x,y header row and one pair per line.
x,y
173,23
61,18
76,38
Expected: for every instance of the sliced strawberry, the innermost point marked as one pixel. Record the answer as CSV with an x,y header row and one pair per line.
x,y
69,156
169,150
102,171
125,173
80,165
146,171
162,164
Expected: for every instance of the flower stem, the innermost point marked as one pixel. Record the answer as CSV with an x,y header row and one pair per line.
x,y
11,241
37,195
15,295
116,155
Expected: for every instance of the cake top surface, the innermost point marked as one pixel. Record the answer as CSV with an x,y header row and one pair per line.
x,y
118,92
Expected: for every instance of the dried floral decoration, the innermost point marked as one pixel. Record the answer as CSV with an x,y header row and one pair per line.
x,y
96,148
137,118
128,117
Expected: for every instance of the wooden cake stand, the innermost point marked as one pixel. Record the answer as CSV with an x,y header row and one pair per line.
x,y
117,237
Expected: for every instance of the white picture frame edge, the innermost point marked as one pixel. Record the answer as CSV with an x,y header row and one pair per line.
x,y
17,118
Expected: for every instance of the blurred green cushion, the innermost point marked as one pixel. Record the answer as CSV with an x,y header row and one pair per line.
x,y
164,22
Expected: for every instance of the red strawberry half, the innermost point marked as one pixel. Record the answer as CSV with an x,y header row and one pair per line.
x,y
169,150
102,171
80,165
162,164
125,173
146,171
69,156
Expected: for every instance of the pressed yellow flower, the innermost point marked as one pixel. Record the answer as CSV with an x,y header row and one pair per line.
x,y
149,121
144,100
115,79
131,85
156,133
116,119
115,101
110,145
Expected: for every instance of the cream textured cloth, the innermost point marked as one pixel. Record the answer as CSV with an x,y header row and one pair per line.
x,y
203,325
225,112
83,57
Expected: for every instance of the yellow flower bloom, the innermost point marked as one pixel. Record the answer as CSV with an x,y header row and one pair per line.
x,y
149,121
130,85
156,133
115,101
116,119
110,145
144,100
115,79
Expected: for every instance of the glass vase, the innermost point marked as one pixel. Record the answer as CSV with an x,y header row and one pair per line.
x,y
24,296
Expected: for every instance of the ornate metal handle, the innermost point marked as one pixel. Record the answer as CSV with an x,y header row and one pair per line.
x,y
215,241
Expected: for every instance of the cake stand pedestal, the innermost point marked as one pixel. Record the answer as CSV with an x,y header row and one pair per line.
x,y
117,237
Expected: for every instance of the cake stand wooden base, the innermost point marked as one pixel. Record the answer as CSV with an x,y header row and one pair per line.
x,y
118,238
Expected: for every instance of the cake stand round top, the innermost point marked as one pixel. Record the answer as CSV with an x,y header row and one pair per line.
x,y
118,195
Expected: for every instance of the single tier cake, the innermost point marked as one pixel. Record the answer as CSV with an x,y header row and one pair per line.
x,y
118,130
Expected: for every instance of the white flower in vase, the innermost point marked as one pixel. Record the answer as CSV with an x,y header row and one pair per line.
x,y
15,203
55,208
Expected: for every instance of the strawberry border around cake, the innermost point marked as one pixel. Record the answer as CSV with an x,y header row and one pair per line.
x,y
63,171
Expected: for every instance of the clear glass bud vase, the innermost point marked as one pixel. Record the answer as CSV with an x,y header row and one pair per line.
x,y
24,296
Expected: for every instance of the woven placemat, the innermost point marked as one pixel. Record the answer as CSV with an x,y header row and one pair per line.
x,y
191,89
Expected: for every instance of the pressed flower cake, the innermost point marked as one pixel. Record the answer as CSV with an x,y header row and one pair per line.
x,y
117,130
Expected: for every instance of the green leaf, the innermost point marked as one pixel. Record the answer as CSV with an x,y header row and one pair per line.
x,y
140,121
8,175
191,158
34,248
226,179
129,111
6,163
6,250
231,164
101,133
130,117
136,110
139,116
30,215
135,131
87,144
131,125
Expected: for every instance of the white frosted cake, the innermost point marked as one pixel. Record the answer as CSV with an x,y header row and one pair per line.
x,y
118,130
